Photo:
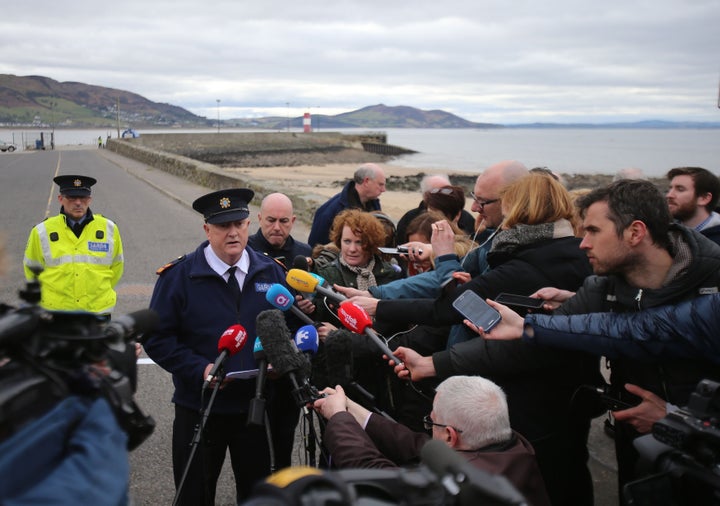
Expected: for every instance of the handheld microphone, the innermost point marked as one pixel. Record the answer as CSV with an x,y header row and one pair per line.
x,y
281,298
284,356
305,282
231,341
256,409
307,339
301,262
355,318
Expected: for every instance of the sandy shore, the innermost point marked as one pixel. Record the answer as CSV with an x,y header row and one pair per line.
x,y
327,180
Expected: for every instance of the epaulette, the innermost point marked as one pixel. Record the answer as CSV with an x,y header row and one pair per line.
x,y
265,253
169,265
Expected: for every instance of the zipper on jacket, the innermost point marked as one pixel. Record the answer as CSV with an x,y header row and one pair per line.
x,y
638,299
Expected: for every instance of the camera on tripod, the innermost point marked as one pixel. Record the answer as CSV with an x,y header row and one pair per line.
x,y
682,455
46,356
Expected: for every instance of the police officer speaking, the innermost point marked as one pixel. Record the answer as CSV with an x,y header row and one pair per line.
x,y
80,253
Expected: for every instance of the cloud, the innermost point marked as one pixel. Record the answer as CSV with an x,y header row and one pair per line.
x,y
505,62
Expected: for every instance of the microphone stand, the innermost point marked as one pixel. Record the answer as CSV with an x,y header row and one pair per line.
x,y
204,414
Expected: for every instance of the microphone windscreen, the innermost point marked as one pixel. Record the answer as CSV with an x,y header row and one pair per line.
x,y
307,339
279,348
300,280
233,339
280,297
300,262
144,321
339,357
354,317
258,352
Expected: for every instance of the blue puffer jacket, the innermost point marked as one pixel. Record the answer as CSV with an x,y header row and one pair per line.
x,y
195,307
688,330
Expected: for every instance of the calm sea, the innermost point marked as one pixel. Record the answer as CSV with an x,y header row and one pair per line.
x,y
567,150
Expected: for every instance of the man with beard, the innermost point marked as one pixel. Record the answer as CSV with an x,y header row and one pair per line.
x,y
692,198
641,260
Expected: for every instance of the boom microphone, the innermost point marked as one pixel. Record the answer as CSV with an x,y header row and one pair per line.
x,y
356,319
281,298
303,281
231,341
283,354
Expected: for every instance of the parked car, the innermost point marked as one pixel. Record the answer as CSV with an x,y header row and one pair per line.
x,y
6,146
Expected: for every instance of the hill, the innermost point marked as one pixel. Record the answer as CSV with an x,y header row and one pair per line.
x,y
373,116
41,101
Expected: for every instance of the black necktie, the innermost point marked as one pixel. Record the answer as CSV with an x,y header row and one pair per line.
x,y
234,285
77,229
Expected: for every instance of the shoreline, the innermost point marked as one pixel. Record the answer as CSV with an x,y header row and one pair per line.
x,y
322,181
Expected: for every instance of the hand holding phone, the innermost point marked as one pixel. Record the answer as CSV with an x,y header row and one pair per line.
x,y
512,300
474,308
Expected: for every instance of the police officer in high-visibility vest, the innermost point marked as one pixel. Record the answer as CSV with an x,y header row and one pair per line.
x,y
80,253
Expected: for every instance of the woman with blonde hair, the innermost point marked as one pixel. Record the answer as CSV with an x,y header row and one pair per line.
x,y
535,247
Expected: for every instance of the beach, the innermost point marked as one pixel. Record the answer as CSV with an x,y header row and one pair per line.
x,y
324,181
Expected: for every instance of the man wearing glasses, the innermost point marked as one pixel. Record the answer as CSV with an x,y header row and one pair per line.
x,y
469,414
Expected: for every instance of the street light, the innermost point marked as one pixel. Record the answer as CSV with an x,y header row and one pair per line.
x,y
218,111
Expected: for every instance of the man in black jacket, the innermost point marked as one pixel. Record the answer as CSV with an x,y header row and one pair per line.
x,y
641,261
692,197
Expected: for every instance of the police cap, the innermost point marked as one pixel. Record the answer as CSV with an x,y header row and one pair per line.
x,y
223,206
75,186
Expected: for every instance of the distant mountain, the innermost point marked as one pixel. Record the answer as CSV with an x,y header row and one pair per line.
x,y
374,116
41,101
649,124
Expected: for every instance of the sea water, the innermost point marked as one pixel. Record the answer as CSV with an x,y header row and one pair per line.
x,y
564,150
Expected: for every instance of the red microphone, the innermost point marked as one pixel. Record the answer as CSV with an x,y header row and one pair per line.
x,y
355,318
231,341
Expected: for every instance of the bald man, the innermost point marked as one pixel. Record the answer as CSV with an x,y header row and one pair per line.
x,y
276,218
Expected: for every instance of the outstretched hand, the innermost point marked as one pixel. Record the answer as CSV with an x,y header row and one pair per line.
x,y
644,415
553,297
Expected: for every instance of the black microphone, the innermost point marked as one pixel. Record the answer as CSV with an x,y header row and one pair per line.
x,y
283,354
339,366
470,484
134,325
300,262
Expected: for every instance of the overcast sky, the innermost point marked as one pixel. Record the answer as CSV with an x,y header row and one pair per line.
x,y
510,61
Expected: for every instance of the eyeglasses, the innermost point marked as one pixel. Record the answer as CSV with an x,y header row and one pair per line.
x,y
480,202
428,424
443,191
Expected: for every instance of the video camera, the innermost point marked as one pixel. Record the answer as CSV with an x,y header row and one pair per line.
x,y
681,457
46,356
444,479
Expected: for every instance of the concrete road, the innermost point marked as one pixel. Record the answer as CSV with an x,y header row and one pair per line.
x,y
152,209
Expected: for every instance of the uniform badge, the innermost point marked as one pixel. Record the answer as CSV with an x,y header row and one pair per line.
x,y
224,202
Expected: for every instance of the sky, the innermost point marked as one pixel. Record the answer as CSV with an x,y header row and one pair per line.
x,y
506,62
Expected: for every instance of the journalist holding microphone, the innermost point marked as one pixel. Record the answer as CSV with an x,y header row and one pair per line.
x,y
198,296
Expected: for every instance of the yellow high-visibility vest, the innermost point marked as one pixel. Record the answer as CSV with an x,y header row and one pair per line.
x,y
79,273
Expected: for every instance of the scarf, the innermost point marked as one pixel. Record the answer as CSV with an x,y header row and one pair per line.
x,y
521,235
364,275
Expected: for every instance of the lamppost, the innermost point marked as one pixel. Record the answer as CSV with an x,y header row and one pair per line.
x,y
218,114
